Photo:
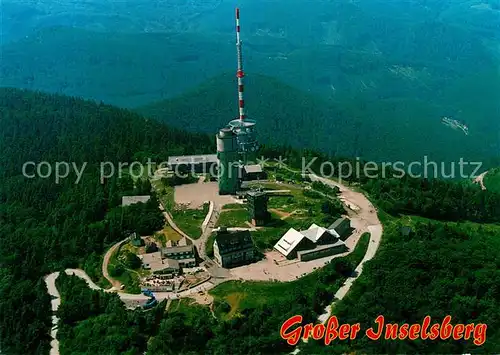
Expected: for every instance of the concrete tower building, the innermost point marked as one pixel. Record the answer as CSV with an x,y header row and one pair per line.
x,y
228,155
245,137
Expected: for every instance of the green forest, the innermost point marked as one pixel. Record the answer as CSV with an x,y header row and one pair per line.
x,y
139,81
373,128
439,269
46,226
450,266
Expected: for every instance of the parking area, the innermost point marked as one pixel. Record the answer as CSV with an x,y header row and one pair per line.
x,y
276,267
195,195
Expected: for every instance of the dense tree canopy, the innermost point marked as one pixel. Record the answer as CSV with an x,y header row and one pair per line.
x,y
441,268
438,269
46,225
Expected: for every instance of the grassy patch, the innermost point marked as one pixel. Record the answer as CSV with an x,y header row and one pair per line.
x,y
234,300
306,209
234,206
285,175
189,220
242,295
189,308
164,193
129,247
233,218
210,245
128,277
167,233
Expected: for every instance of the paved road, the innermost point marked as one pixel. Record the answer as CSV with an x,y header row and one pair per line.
x,y
50,281
83,275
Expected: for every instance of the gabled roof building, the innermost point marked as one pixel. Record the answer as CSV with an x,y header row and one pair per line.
x,y
233,248
291,242
312,243
342,227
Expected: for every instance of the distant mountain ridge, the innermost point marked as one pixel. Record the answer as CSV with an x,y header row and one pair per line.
x,y
380,130
368,78
284,114
385,49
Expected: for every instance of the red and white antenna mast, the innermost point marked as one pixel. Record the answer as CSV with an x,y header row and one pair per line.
x,y
239,73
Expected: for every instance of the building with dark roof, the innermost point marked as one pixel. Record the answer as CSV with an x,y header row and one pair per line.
x,y
233,248
253,172
343,227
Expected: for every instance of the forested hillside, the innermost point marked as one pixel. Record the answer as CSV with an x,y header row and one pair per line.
x,y
389,69
47,226
115,330
436,199
278,108
439,269
126,70
396,49
374,129
38,126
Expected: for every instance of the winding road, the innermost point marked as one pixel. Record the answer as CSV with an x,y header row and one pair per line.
x,y
363,209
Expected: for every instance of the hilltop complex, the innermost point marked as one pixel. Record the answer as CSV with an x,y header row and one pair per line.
x,y
253,211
